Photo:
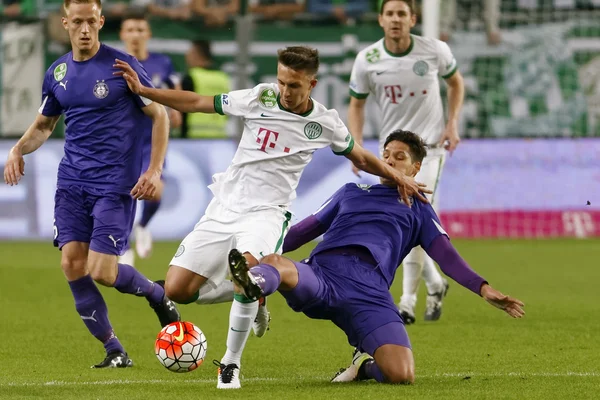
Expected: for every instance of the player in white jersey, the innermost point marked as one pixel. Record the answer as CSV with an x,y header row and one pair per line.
x,y
401,71
283,127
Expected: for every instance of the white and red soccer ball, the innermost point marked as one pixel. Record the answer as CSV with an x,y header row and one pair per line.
x,y
180,347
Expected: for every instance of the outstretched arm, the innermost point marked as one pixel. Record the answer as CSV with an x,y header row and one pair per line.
x,y
453,265
180,100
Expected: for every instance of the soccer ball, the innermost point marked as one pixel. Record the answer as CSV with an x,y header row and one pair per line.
x,y
180,347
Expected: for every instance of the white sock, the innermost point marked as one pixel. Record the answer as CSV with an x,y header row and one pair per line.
x,y
221,294
241,317
412,267
431,276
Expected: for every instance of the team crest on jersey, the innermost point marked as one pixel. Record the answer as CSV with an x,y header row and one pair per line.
x,y
101,89
420,68
156,80
60,72
373,55
268,98
313,130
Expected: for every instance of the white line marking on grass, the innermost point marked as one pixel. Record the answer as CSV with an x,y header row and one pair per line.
x,y
256,379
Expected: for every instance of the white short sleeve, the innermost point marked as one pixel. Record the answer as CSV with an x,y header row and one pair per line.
x,y
236,103
359,80
446,62
342,142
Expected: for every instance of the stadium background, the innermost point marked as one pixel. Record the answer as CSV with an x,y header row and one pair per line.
x,y
526,174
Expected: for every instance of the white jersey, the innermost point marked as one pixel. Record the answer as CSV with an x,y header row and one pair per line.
x,y
275,147
406,86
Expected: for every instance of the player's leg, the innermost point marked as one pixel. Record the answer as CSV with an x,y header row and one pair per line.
x,y
198,270
113,218
257,233
72,232
417,263
373,324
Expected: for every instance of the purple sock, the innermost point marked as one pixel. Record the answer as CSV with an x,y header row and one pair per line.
x,y
268,278
130,280
92,309
372,371
150,208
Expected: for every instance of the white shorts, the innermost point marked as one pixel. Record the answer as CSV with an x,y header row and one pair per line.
x,y
204,250
431,173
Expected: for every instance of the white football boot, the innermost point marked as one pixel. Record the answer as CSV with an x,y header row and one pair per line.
x,y
228,376
350,374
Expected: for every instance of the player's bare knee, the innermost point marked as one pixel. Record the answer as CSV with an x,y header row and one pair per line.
x,y
181,285
73,267
102,273
399,374
274,260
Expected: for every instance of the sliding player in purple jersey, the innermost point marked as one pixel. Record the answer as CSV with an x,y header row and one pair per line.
x,y
135,34
368,231
100,176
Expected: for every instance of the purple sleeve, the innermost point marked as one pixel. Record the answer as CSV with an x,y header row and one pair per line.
x,y
303,232
453,265
50,106
315,225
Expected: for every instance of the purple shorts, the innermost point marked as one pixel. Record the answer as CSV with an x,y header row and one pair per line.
x,y
353,295
102,219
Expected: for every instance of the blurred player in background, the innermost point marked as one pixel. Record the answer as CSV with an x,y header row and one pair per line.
x,y
135,33
347,278
401,71
96,193
283,127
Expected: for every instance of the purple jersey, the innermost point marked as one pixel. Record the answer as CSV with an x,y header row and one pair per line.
x,y
160,70
374,217
105,124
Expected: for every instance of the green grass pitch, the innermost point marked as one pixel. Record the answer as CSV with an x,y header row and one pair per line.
x,y
473,352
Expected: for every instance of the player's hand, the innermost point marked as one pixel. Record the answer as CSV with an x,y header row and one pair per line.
x,y
130,76
14,168
511,306
148,187
450,138
408,187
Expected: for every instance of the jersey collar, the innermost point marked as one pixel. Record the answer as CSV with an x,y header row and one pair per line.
x,y
306,114
405,52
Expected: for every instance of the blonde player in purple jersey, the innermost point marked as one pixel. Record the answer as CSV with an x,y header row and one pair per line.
x,y
100,177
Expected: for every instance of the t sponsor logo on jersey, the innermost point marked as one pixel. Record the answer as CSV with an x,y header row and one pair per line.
x,y
180,250
421,68
373,55
313,130
60,72
101,89
393,92
264,139
225,100
268,98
